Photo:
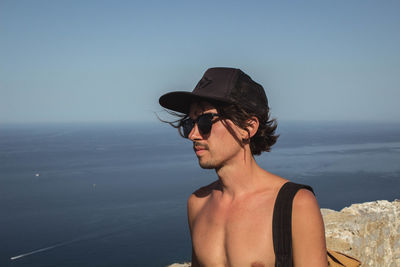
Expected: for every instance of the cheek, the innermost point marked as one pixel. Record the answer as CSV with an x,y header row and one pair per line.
x,y
227,139
229,131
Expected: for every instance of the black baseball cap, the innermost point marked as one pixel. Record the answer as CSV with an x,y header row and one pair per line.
x,y
225,85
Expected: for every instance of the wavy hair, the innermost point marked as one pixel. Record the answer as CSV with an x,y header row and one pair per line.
x,y
265,136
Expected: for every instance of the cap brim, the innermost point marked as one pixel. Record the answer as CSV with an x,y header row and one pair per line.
x,y
180,101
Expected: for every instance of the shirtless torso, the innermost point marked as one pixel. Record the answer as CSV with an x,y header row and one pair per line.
x,y
235,233
227,121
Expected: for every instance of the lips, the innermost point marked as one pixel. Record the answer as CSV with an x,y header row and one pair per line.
x,y
199,148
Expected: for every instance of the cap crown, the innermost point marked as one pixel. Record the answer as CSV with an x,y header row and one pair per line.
x,y
228,85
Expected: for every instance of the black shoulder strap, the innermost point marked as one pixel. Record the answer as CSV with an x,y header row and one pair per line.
x,y
282,223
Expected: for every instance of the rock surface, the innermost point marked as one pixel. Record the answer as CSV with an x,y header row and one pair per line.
x,y
369,232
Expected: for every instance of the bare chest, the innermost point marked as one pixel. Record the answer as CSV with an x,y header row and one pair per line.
x,y
240,235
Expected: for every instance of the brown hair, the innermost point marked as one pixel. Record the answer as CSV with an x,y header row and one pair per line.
x,y
243,107
240,112
265,136
175,123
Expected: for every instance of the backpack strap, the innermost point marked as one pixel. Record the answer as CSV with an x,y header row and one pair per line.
x,y
282,223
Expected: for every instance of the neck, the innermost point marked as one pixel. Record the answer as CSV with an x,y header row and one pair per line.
x,y
240,176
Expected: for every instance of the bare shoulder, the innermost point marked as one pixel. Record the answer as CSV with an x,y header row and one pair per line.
x,y
205,191
306,210
198,198
304,200
308,232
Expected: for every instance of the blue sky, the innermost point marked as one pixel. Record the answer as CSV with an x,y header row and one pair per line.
x,y
101,61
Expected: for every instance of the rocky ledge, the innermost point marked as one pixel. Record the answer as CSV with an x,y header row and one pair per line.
x,y
369,232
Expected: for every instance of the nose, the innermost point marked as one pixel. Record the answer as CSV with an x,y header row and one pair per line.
x,y
194,133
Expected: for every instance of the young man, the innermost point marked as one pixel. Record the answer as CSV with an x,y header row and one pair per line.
x,y
227,119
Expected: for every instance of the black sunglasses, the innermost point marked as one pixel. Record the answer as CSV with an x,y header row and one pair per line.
x,y
204,123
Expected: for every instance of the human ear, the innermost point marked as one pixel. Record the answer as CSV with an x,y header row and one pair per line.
x,y
252,127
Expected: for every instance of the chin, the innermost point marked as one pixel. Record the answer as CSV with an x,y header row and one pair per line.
x,y
207,165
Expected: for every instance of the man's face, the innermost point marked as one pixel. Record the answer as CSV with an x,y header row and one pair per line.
x,y
221,146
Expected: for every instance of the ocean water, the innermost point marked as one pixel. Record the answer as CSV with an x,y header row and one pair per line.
x,y
115,194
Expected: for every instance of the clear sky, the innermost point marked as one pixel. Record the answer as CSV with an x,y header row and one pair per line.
x,y
68,61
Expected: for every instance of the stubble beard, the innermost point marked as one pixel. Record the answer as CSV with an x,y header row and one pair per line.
x,y
207,164
205,161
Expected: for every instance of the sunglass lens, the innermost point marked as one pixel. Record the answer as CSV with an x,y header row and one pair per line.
x,y
187,126
205,123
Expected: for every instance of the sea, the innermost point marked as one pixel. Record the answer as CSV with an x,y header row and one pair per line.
x,y
115,194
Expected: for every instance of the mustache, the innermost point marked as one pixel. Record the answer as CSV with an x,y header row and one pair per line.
x,y
199,145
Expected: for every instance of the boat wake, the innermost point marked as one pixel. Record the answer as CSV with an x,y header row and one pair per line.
x,y
86,237
43,249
